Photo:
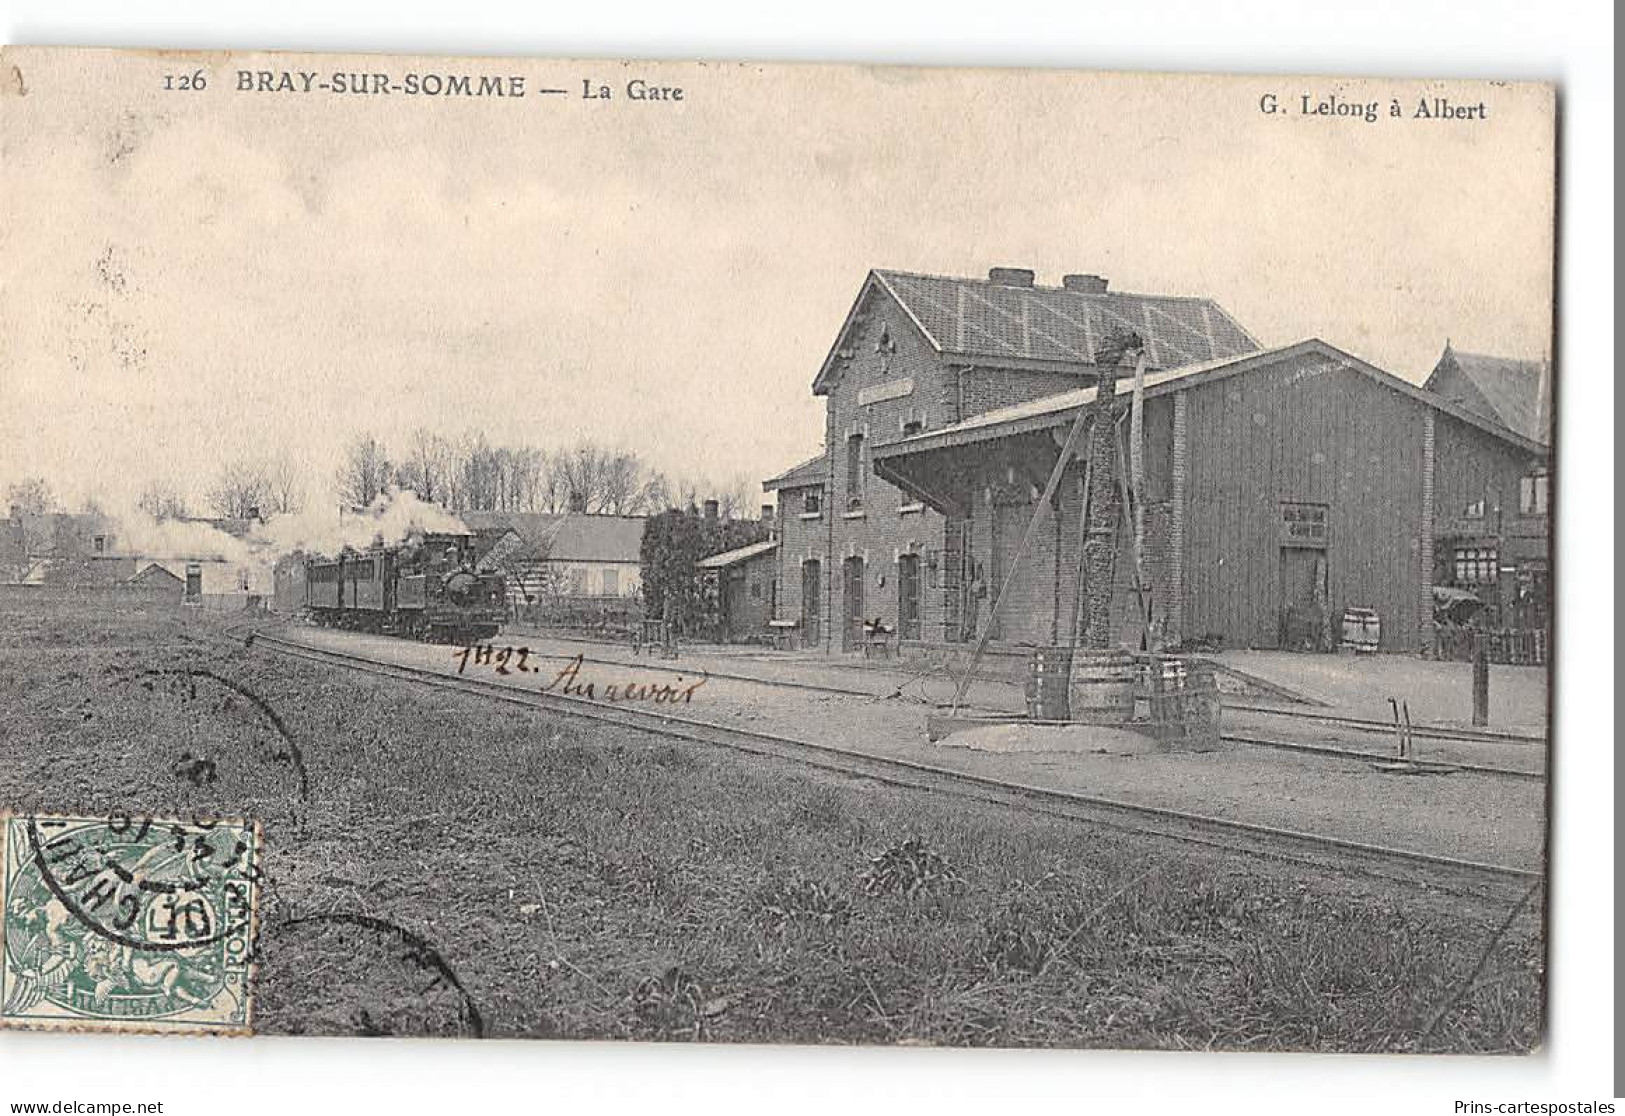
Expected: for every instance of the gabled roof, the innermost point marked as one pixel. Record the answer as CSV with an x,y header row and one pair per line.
x,y
155,574
569,537
810,472
1513,392
739,554
1056,410
236,527
995,322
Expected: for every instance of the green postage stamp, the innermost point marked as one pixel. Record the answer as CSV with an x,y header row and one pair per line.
x,y
127,923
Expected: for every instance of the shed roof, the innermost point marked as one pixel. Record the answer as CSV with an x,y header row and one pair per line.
x,y
809,473
155,574
571,536
992,321
739,554
1511,391
1053,410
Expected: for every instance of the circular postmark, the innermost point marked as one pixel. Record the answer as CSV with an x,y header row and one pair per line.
x,y
128,919
345,972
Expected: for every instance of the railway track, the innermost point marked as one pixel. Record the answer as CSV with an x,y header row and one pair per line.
x,y
1462,877
1384,728
1332,751
1316,751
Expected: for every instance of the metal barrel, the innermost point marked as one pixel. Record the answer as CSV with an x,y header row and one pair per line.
x,y
1102,687
1049,674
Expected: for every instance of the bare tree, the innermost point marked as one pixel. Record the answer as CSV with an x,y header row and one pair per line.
x,y
737,498
428,467
241,490
604,482
579,472
284,488
31,496
529,468
161,500
365,473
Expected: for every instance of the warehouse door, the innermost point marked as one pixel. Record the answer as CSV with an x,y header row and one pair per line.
x,y
908,596
734,606
1301,618
852,590
811,592
1026,611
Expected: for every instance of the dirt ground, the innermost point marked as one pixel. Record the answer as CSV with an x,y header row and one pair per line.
x,y
440,865
1462,815
1438,693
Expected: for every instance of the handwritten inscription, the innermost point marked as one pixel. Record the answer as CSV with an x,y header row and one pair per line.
x,y
571,680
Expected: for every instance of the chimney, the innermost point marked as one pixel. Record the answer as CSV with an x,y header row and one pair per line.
x,y
710,509
767,513
578,503
1011,276
1084,284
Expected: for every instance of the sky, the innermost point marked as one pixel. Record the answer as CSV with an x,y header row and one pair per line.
x,y
196,277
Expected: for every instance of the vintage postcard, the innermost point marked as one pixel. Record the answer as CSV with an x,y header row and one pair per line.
x,y
521,548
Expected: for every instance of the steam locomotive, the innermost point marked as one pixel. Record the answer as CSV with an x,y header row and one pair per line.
x,y
427,588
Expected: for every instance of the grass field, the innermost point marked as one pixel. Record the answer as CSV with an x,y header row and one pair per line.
x,y
439,864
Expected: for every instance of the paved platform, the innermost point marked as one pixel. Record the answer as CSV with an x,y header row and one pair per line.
x,y
1461,815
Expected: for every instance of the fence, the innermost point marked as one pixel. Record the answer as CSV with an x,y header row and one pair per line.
x,y
606,617
1506,646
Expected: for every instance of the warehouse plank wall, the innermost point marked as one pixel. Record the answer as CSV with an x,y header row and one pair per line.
x,y
1306,431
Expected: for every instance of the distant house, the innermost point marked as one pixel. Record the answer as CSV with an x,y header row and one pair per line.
x,y
1515,393
561,555
747,588
57,547
156,581
86,549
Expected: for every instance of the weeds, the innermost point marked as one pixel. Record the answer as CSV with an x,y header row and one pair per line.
x,y
908,869
589,882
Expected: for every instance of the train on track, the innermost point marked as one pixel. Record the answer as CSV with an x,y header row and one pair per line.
x,y
429,588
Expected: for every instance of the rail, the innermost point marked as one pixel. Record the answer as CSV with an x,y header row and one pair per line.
x,y
1456,875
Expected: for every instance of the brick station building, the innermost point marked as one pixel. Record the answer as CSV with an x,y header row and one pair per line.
x,y
1281,486
917,354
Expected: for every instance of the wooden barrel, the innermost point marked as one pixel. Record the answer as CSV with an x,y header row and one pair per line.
x,y
1102,687
1049,674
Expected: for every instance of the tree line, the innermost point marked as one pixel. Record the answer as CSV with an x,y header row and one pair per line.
x,y
466,473
471,473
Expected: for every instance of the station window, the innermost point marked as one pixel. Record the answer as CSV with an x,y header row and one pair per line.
x,y
812,502
1474,510
1533,493
1476,565
612,583
854,472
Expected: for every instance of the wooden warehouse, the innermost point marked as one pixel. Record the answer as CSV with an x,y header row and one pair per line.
x,y
1280,487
